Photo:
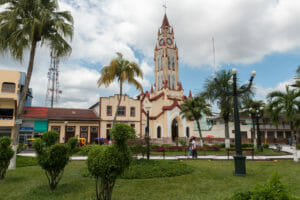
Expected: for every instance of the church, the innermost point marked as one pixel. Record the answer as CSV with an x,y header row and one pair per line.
x,y
162,101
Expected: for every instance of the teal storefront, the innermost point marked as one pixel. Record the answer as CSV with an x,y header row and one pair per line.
x,y
40,127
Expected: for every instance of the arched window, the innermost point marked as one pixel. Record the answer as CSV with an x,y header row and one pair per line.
x,y
158,82
173,83
158,132
188,132
160,63
169,62
173,64
157,64
169,81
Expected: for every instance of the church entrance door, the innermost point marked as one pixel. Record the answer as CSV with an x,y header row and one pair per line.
x,y
174,129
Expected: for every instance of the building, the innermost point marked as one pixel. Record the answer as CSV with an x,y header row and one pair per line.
x,y
11,85
164,99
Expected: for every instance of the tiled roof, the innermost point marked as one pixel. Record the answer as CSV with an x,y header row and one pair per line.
x,y
70,113
39,112
165,22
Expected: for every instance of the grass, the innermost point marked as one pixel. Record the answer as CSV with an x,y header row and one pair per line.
x,y
210,180
222,152
24,161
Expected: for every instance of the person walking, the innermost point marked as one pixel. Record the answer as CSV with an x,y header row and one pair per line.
x,y
194,148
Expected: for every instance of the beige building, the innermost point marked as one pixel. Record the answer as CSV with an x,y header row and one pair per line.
x,y
8,101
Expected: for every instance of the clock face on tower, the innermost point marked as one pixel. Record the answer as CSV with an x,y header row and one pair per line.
x,y
161,42
169,41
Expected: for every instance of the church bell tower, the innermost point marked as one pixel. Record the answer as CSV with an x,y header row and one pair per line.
x,y
166,58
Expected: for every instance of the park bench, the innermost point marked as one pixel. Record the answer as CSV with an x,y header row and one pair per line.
x,y
233,149
160,149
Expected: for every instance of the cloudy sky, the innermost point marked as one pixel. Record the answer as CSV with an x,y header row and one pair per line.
x,y
261,35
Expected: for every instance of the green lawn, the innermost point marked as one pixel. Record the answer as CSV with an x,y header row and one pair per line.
x,y
222,152
210,180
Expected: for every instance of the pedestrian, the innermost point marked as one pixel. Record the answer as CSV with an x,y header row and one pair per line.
x,y
190,148
194,148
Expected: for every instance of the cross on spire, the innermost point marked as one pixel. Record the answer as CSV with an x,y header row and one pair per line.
x,y
165,6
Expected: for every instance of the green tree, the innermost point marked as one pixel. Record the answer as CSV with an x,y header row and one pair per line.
x,y
23,25
193,109
298,77
288,104
215,93
122,70
53,157
107,163
6,153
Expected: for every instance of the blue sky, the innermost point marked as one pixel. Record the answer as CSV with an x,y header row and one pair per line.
x,y
249,35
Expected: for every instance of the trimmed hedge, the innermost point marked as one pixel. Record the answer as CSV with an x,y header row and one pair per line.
x,y
146,169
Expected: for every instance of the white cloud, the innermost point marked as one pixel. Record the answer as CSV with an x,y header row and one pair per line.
x,y
244,32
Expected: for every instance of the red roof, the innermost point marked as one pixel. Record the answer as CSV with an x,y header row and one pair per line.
x,y
41,112
165,22
72,113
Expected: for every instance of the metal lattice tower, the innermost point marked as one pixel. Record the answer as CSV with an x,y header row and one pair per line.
x,y
53,91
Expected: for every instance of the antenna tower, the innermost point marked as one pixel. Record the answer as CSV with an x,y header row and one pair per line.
x,y
53,91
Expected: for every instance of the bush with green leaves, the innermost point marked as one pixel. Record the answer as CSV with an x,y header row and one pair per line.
x,y
6,153
273,189
265,146
106,163
298,146
53,157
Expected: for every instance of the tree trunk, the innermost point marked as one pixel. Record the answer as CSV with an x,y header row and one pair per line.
x,y
119,102
21,103
227,138
200,133
296,159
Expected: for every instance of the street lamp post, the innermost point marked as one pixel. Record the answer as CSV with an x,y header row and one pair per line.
x,y
239,158
66,124
147,137
258,114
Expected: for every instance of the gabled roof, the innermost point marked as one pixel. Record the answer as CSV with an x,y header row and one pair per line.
x,y
35,112
165,21
72,114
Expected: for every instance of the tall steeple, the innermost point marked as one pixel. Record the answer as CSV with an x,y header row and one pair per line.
x,y
166,58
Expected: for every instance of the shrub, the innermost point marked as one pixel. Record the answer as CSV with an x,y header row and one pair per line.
x,y
222,145
153,146
247,145
166,145
298,146
53,157
106,163
182,142
6,153
273,189
145,169
84,150
20,147
265,146
137,146
232,145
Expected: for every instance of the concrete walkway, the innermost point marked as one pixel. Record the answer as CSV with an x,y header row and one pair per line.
x,y
285,148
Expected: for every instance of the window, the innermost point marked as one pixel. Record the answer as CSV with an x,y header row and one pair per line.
x,y
6,114
94,129
70,129
9,87
132,112
169,62
121,111
84,132
158,132
158,82
56,128
169,81
173,64
108,110
108,125
188,132
173,83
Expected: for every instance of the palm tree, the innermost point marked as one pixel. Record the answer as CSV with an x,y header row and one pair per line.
x,y
215,93
193,109
122,70
288,104
26,23
251,107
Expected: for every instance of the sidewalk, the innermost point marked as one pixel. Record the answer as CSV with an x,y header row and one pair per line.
x,y
285,148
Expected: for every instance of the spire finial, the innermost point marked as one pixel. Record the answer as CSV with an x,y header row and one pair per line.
x,y
165,6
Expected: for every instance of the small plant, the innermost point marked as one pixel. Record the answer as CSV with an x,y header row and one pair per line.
x,y
273,189
106,163
222,145
298,146
53,157
183,144
20,147
6,153
265,146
